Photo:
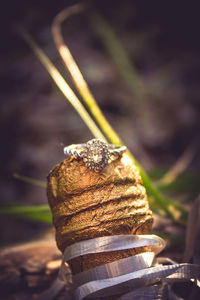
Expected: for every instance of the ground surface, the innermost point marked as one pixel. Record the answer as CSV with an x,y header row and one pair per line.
x,y
162,41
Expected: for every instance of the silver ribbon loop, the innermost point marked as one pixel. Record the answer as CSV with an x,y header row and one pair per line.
x,y
135,280
113,243
133,276
116,268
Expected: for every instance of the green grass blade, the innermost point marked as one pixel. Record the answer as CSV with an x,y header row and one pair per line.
x,y
30,180
118,54
167,207
63,86
170,208
170,237
39,213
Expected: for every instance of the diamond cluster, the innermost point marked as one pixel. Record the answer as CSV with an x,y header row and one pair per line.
x,y
96,155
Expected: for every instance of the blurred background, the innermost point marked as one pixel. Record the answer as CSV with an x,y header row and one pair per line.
x,y
153,104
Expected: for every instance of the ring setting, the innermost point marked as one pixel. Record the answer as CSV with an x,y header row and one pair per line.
x,y
96,154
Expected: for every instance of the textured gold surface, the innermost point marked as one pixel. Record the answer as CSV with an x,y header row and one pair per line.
x,y
87,204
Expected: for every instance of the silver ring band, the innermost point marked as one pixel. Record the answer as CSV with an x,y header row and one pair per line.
x,y
96,154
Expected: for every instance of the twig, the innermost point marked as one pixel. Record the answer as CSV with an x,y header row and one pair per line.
x,y
76,75
179,167
193,233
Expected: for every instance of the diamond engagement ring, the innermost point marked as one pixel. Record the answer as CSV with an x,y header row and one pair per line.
x,y
96,154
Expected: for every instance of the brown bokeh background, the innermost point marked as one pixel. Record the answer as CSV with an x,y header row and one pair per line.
x,y
162,40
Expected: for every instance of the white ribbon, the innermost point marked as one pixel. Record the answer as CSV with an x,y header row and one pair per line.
x,y
113,243
115,268
135,280
136,277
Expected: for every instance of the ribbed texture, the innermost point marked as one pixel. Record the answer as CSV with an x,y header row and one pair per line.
x,y
87,204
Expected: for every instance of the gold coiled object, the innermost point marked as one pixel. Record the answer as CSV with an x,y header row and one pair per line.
x,y
86,204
